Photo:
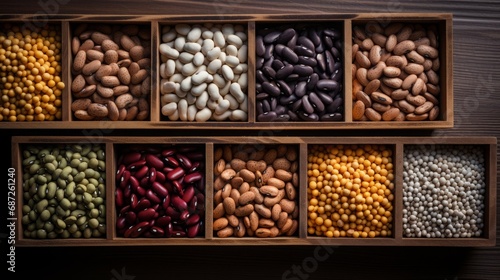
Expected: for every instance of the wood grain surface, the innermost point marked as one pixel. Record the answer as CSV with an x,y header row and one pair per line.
x,y
476,62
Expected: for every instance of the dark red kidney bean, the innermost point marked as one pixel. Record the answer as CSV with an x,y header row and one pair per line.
x,y
154,161
309,61
156,231
303,51
167,152
271,88
289,55
179,203
269,72
277,65
136,165
133,201
194,168
179,233
143,171
192,231
325,98
184,215
169,230
332,117
146,214
302,70
337,102
306,105
131,157
337,75
140,189
184,161
293,116
260,48
177,187
175,174
119,172
162,221
292,43
171,161
200,185
193,219
119,197
130,217
127,192
128,232
142,204
152,197
316,102
307,117
306,42
300,89
159,190
193,204
267,117
284,87
201,202
138,229
157,208
188,194
286,36
195,156
167,169
124,179
327,85
271,37
193,177
166,201
124,210
152,175
121,222
284,72
173,213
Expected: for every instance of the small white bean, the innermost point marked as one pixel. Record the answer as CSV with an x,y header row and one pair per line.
x,y
238,115
169,97
219,80
186,57
227,72
179,43
198,59
169,109
243,36
243,81
213,91
192,47
190,98
169,51
182,28
212,105
222,116
176,78
174,116
233,102
207,34
236,91
186,84
232,61
213,53
219,39
182,108
222,107
191,114
227,29
189,69
234,40
170,67
168,87
244,105
225,90
168,36
163,67
194,34
166,29
203,115
178,65
222,57
199,89
243,53
214,66
201,100
208,45
231,50
240,68
199,77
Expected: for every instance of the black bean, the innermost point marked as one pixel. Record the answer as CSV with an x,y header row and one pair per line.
x,y
292,78
260,76
313,35
334,107
293,116
272,37
283,118
289,55
260,110
284,87
287,100
262,95
316,102
273,103
327,85
321,59
280,110
300,89
334,34
266,107
304,41
302,70
309,61
284,37
278,49
311,82
331,117
277,65
296,105
320,48
337,75
269,51
284,72
271,88
330,62
267,117
259,62
301,50
328,42
258,88
336,54
307,117
269,72
260,48
293,42
306,105
325,98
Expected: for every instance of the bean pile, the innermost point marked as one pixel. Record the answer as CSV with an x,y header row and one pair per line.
x,y
30,74
111,72
204,72
350,191
160,192
395,72
256,191
299,73
64,191
443,191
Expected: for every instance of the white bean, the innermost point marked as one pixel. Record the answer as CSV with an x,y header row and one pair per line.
x,y
182,28
222,116
243,81
212,105
169,97
222,107
219,80
227,29
227,72
176,78
203,115
231,50
192,47
186,57
236,91
194,34
179,43
241,68
198,59
191,114
208,45
174,116
199,77
238,115
232,61
201,101
213,53
243,36
207,34
199,89
182,108
243,53
225,90
168,87
169,109
233,102
189,69
213,91
214,66
191,99
244,105
186,84
170,67
169,51
234,40
219,39
169,36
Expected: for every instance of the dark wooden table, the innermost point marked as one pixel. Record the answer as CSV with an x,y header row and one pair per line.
x,y
476,31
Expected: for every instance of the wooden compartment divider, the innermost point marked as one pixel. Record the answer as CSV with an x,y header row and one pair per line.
x,y
157,121
302,238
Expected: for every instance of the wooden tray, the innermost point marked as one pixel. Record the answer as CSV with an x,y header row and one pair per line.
x,y
156,121
396,143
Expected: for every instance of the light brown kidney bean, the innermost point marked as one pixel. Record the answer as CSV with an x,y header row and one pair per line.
x,y
391,63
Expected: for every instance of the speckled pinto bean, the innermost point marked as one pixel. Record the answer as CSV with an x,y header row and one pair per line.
x,y
64,193
160,192
203,72
255,191
111,71
299,73
392,65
